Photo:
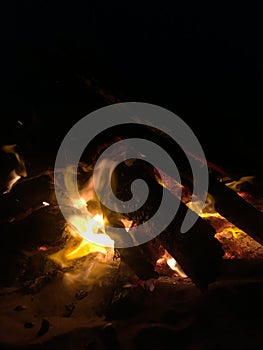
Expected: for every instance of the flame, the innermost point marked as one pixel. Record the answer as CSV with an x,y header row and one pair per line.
x,y
87,237
13,178
236,185
79,203
236,232
92,230
167,259
211,215
87,228
19,171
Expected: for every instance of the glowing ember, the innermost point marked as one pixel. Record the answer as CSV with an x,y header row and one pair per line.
x,y
43,248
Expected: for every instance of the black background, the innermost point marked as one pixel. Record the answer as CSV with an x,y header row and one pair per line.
x,y
203,61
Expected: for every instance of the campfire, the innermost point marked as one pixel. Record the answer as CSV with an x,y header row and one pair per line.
x,y
55,270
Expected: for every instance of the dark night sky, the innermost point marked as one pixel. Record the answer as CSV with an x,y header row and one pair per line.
x,y
202,61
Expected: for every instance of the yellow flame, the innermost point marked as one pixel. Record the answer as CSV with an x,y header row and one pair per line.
x,y
202,210
79,203
236,185
236,232
86,229
85,248
93,232
19,171
172,263
166,258
90,237
13,179
211,215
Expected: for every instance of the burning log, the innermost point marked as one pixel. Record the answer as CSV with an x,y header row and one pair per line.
x,y
197,251
228,203
134,257
236,209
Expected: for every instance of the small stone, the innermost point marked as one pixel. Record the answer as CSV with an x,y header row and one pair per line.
x,y
81,294
29,324
20,308
69,309
43,328
109,336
